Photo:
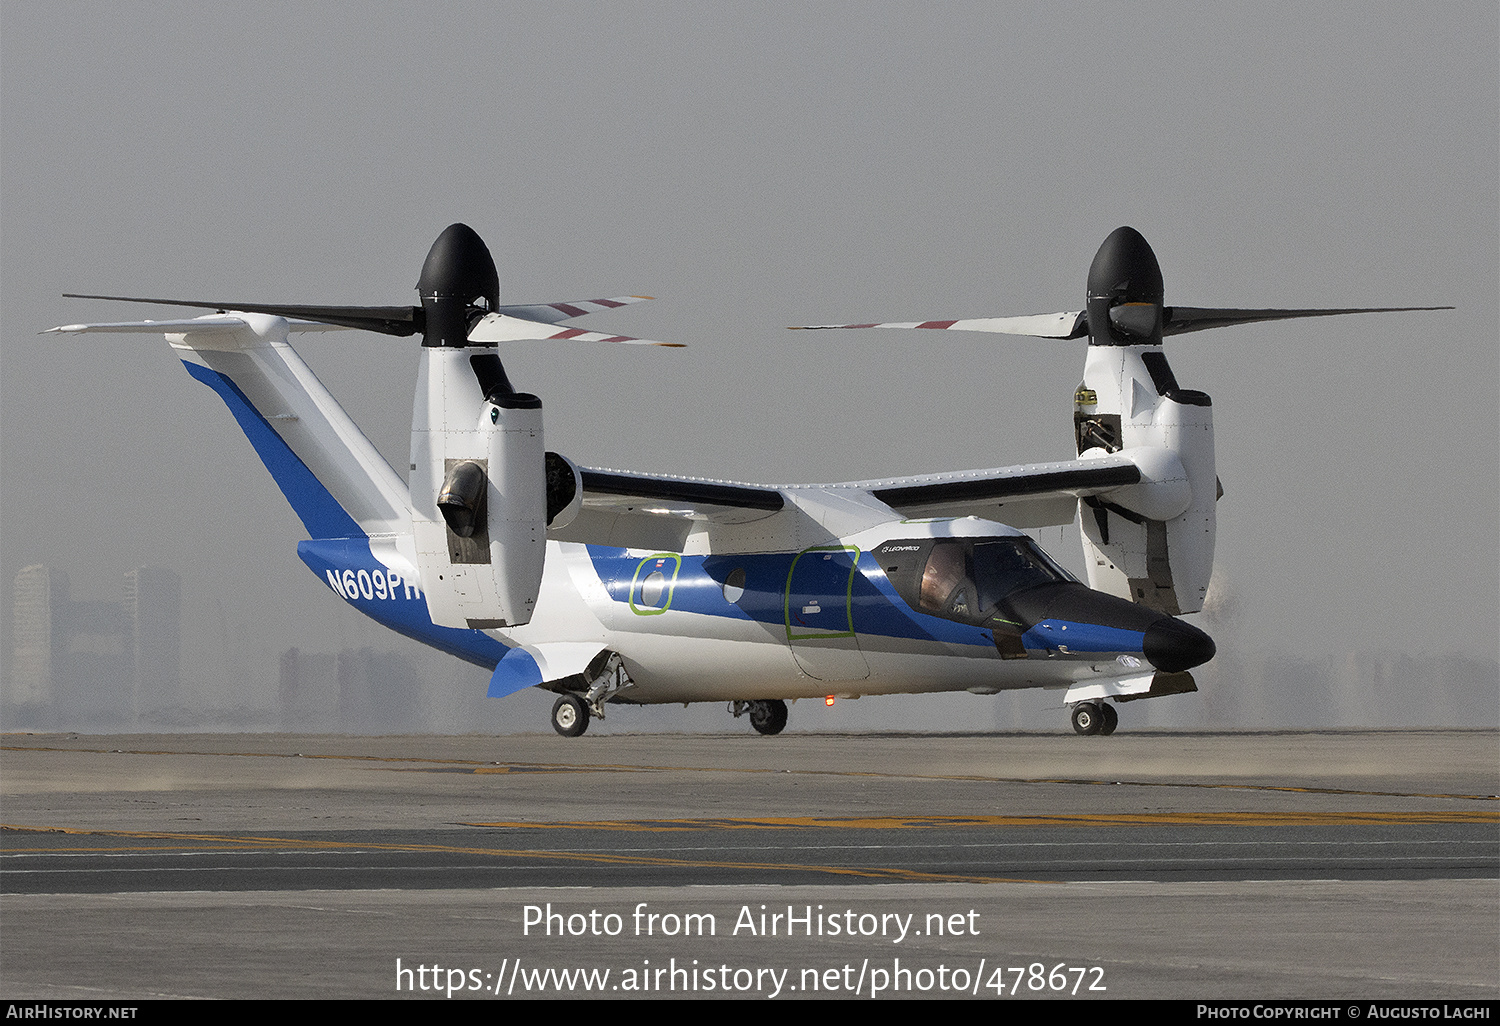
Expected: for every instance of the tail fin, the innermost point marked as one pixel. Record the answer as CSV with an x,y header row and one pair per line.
x,y
334,478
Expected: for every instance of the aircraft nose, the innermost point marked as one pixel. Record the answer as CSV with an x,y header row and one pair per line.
x,y
1173,646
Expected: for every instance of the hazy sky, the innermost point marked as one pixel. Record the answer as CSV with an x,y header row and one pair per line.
x,y
754,166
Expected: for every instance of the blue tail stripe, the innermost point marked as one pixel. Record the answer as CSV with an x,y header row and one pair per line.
x,y
375,590
319,511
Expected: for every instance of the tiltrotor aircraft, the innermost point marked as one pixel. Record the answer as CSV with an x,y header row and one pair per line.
x,y
610,587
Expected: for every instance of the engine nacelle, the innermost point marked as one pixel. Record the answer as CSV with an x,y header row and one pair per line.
x,y
478,490
1152,543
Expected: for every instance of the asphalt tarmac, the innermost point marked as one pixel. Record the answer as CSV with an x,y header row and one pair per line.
x,y
1341,865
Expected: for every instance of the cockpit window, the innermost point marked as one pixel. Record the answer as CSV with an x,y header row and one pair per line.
x,y
966,578
946,581
1002,567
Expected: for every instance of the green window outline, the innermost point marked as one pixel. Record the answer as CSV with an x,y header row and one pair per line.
x,y
671,583
786,595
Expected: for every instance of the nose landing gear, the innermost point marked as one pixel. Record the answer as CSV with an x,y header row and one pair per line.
x,y
1090,718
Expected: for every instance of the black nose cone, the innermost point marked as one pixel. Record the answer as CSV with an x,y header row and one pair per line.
x,y
1125,292
1173,646
1125,269
459,266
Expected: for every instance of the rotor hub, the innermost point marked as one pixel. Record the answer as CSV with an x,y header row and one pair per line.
x,y
1125,292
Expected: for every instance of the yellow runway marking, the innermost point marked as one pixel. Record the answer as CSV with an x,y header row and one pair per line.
x,y
1079,820
480,766
188,841
179,842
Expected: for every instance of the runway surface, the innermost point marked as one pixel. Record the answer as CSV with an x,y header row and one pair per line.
x,y
1337,864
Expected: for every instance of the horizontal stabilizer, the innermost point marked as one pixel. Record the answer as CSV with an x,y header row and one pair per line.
x,y
385,320
212,324
335,480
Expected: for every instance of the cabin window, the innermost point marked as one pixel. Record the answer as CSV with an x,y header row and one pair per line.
x,y
734,585
652,588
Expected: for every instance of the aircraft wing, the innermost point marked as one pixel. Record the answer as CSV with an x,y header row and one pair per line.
x,y
1029,495
699,498
658,510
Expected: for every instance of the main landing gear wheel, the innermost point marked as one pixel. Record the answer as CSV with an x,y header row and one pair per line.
x,y
768,717
570,716
1088,719
1111,719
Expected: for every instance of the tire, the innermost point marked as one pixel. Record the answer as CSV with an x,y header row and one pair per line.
x,y
570,717
768,717
1111,719
1087,719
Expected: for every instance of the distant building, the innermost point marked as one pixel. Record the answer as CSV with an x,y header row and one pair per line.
x,y
357,691
95,662
38,645
308,691
153,620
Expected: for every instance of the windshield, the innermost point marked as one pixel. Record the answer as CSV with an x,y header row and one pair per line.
x,y
966,578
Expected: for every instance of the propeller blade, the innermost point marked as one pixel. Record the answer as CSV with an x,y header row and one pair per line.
x,y
553,313
1178,320
501,328
385,320
1055,325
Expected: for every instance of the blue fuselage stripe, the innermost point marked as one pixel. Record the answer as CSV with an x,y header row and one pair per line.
x,y
867,601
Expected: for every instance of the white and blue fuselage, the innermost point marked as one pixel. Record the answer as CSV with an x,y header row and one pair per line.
x,y
712,620
607,586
